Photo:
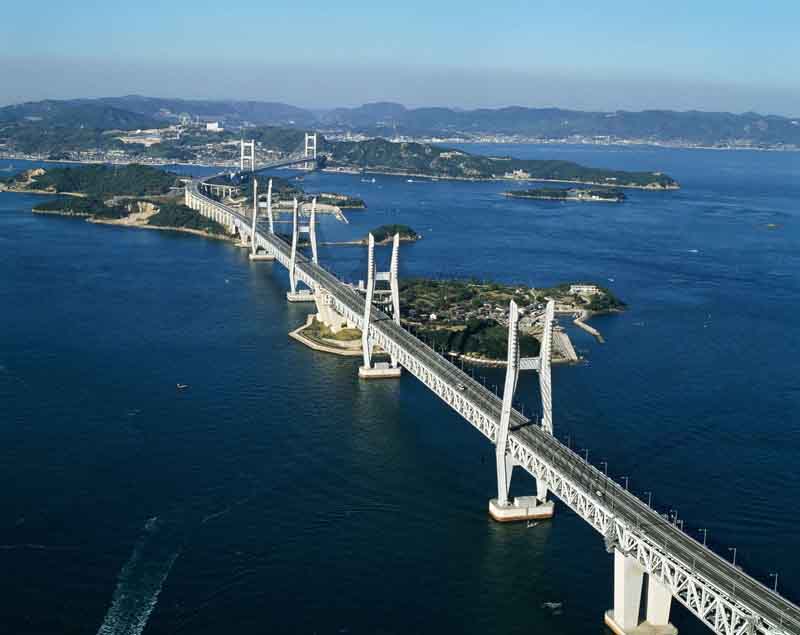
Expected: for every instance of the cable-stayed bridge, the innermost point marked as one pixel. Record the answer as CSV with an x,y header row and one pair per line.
x,y
645,545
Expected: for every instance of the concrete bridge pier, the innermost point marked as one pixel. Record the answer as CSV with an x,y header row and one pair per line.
x,y
629,580
522,507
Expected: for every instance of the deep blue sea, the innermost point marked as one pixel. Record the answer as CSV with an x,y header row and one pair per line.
x,y
280,494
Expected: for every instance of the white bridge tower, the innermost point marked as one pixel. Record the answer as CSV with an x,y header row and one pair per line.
x,y
523,507
247,153
254,253
382,369
303,295
310,150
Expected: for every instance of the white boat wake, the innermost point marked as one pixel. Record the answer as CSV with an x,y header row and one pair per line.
x,y
140,581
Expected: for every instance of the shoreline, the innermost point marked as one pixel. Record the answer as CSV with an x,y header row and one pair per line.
x,y
566,199
183,230
134,225
478,179
357,171
320,345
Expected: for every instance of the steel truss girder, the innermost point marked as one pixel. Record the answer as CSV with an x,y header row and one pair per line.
x,y
717,608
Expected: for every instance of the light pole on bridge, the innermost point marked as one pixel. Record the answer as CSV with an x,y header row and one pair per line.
x,y
649,498
586,454
705,535
733,549
774,575
626,481
605,467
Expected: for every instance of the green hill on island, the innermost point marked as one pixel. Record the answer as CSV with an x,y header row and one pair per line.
x,y
97,181
385,233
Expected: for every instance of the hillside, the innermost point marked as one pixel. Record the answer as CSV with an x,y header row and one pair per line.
x,y
435,161
96,181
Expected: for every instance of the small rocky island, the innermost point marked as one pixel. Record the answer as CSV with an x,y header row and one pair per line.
x,y
384,234
571,194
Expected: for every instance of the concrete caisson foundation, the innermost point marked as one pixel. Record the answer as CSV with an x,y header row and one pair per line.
x,y
381,370
522,508
262,257
300,296
643,628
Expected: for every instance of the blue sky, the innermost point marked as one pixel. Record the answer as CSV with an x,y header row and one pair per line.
x,y
706,54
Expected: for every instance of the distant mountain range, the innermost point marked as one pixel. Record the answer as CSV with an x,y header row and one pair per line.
x,y
388,119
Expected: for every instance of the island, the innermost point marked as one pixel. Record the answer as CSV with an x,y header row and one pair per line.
x,y
428,160
469,318
384,234
572,194
144,196
130,195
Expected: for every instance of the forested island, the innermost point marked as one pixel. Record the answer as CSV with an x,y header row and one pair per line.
x,y
132,195
385,233
94,181
427,160
469,318
572,194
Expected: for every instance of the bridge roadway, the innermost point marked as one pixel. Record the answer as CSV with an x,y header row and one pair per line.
x,y
724,597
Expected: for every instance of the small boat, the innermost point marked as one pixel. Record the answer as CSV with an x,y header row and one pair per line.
x,y
181,386
531,524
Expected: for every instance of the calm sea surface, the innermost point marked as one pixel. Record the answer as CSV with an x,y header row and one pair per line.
x,y
280,494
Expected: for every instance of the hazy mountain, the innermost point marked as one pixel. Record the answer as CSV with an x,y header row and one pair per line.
x,y
389,119
75,114
556,123
233,112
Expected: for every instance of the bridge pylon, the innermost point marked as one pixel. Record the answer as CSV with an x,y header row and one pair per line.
x,y
545,353
522,507
302,295
382,369
254,253
310,150
269,208
247,153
